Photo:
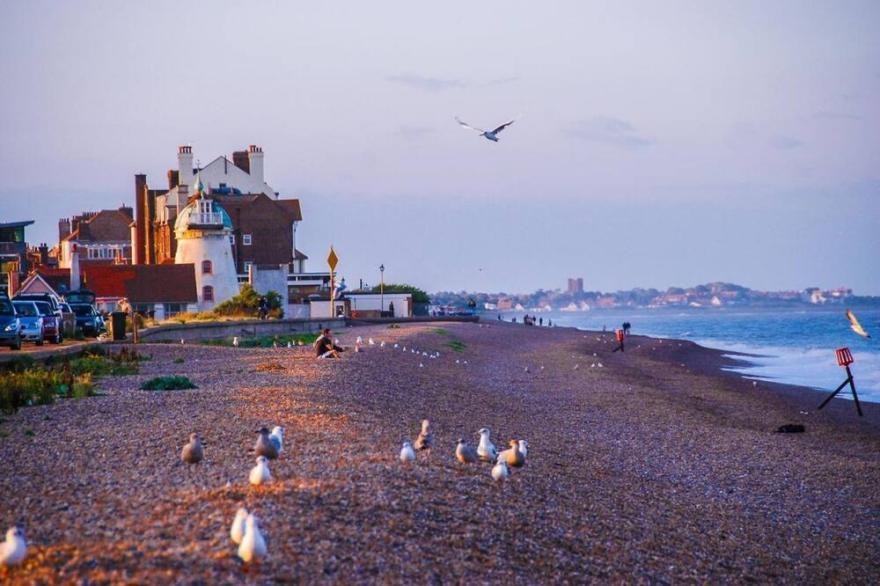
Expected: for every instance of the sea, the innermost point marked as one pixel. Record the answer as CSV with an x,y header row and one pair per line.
x,y
788,345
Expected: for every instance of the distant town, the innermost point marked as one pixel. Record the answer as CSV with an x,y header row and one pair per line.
x,y
711,295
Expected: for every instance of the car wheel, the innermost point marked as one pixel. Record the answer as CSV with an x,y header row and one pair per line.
x,y
40,342
58,339
17,344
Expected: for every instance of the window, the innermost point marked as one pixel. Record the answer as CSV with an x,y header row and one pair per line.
x,y
247,266
246,239
207,293
232,239
206,267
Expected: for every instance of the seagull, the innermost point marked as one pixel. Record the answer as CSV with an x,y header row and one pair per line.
x,y
524,447
426,439
235,341
277,437
407,454
487,134
512,456
265,446
381,344
253,546
486,449
500,471
260,473
576,366
855,325
14,549
465,453
192,452
236,532
371,342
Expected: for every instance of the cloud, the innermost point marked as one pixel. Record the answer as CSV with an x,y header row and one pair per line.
x,y
610,131
829,115
785,143
428,84
414,132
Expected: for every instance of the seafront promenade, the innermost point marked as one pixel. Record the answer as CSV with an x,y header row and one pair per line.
x,y
649,465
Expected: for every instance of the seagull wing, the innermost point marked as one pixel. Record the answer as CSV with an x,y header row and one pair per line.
x,y
503,126
855,325
466,125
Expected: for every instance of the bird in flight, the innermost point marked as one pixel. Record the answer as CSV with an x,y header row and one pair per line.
x,y
487,134
855,325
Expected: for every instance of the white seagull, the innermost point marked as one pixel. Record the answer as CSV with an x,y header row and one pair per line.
x,y
277,437
407,454
253,546
236,532
14,549
260,473
487,134
500,471
486,449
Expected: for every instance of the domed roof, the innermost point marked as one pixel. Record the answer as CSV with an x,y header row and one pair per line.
x,y
203,213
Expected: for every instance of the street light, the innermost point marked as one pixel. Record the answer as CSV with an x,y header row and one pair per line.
x,y
381,289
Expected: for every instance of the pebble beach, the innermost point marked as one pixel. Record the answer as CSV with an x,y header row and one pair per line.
x,y
652,465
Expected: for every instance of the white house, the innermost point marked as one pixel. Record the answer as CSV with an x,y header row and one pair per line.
x,y
372,303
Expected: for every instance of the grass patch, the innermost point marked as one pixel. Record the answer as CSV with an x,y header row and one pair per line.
x,y
168,383
393,326
178,361
265,341
441,331
456,345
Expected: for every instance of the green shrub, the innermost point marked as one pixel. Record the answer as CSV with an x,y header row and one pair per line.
x,y
441,331
30,387
456,345
247,302
168,383
178,361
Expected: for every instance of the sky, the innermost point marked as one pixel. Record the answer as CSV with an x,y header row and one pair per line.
x,y
656,144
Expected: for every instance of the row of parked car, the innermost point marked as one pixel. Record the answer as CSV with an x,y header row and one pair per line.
x,y
40,318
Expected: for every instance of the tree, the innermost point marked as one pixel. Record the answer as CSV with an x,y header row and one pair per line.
x,y
247,302
418,295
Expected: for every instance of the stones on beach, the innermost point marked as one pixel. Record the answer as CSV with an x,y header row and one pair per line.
x,y
264,445
253,544
236,531
277,438
407,454
260,473
465,453
425,441
500,472
486,449
14,549
193,452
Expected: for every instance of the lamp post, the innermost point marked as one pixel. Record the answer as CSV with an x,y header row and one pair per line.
x,y
381,289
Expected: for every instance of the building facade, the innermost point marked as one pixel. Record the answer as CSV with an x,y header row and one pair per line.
x,y
102,237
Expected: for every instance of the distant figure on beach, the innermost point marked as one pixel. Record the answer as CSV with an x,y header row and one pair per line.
x,y
324,346
626,327
499,317
391,308
540,321
604,328
513,319
549,323
264,307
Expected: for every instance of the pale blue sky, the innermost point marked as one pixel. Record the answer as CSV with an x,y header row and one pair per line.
x,y
661,143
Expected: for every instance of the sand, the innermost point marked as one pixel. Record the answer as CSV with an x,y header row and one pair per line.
x,y
656,467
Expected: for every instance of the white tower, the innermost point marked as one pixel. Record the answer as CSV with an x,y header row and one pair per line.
x,y
202,229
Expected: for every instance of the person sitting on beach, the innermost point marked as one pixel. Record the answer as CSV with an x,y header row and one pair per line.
x,y
324,346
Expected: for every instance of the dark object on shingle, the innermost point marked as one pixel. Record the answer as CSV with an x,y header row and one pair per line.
x,y
791,428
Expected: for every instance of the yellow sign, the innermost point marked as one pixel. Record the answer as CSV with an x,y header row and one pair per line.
x,y
332,260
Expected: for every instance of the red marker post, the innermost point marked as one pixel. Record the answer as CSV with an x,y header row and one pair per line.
x,y
844,359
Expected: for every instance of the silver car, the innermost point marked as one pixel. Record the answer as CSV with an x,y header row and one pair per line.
x,y
31,321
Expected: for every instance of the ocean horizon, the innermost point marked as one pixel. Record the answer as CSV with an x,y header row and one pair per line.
x,y
784,345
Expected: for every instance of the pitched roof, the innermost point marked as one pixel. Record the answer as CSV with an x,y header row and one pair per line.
x,y
143,283
289,207
104,225
58,279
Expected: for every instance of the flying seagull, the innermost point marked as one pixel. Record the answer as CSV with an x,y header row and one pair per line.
x,y
487,134
855,325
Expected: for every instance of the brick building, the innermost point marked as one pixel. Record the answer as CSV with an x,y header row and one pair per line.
x,y
102,237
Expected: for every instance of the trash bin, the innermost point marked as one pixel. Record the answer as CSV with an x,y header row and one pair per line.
x,y
118,322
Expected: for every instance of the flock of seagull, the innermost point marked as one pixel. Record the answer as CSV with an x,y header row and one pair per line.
x,y
513,457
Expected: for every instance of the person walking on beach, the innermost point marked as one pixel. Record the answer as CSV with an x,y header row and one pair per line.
x,y
324,346
626,327
540,321
264,307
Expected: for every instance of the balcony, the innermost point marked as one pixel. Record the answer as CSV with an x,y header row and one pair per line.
x,y
206,219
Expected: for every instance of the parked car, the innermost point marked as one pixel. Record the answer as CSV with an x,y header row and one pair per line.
x,y
68,319
53,302
51,323
87,319
10,326
32,328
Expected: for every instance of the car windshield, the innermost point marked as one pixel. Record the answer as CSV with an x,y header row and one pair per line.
x,y
45,308
6,308
26,309
82,310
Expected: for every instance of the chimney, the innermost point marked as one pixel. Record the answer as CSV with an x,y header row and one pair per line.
x,y
185,165
74,268
141,219
240,160
173,179
134,247
63,228
44,254
255,162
